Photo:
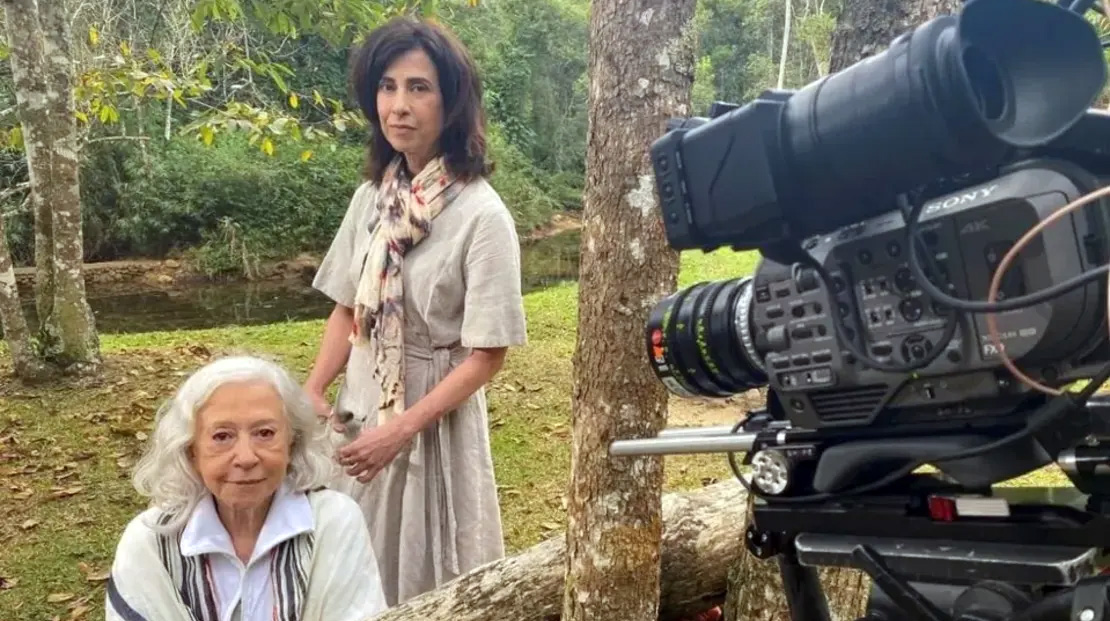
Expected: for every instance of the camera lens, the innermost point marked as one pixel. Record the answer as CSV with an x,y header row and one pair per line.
x,y
699,340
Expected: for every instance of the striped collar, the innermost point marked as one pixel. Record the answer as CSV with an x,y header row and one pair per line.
x,y
290,515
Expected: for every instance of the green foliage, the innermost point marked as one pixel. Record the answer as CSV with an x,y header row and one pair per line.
x,y
532,55
279,204
227,206
338,21
514,179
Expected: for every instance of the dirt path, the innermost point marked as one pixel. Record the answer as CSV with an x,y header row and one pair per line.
x,y
711,412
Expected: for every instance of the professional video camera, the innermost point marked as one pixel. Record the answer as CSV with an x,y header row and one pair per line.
x,y
909,311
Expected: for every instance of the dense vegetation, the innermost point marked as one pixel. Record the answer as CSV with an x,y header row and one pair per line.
x,y
156,183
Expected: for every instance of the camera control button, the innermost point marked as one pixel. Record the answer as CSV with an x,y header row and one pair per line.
x,y
807,280
882,349
802,333
778,339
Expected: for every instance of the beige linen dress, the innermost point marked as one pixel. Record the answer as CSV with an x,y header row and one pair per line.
x,y
433,513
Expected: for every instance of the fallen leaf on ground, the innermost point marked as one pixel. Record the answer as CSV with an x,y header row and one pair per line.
x,y
58,598
29,524
67,492
8,583
551,525
79,612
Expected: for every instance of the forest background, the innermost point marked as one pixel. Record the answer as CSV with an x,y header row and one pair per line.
x,y
221,135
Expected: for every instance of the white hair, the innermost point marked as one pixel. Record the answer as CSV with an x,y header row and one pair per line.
x,y
165,472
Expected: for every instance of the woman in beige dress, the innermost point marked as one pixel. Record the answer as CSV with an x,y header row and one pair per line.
x,y
425,274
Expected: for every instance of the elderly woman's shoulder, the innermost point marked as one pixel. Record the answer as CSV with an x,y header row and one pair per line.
x,y
141,532
330,506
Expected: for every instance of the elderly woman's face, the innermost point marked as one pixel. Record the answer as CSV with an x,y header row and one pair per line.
x,y
410,105
242,444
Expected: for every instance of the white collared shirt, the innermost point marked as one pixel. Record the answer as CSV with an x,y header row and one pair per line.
x,y
247,587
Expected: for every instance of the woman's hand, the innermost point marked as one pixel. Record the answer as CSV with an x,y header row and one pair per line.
x,y
320,404
374,449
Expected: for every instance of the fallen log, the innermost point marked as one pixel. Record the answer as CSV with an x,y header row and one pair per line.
x,y
703,536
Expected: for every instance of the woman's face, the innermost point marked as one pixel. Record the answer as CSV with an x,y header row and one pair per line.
x,y
241,444
410,106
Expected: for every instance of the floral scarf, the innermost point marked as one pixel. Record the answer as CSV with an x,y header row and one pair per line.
x,y
406,211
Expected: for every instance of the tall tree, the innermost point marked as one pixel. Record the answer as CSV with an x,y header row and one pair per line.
x,y
641,70
866,27
18,336
42,71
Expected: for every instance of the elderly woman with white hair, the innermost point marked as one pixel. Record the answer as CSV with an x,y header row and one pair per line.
x,y
239,526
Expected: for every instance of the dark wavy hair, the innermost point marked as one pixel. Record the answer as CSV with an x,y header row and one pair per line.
x,y
463,139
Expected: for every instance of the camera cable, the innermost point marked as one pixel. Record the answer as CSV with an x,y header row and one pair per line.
x,y
917,244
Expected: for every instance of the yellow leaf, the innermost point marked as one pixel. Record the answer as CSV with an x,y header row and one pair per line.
x,y
267,146
57,598
306,155
81,116
318,98
124,48
94,36
294,101
207,135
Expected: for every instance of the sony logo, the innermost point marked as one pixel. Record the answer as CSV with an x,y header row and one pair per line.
x,y
960,200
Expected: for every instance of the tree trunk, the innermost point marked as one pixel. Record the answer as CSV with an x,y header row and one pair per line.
x,y
703,535
866,27
42,72
25,40
80,346
641,68
12,320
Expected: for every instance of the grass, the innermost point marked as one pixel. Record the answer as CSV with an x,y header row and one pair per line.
x,y
66,451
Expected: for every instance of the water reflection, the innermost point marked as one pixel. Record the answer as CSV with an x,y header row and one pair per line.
x,y
219,304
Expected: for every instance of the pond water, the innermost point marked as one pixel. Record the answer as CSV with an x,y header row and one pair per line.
x,y
544,262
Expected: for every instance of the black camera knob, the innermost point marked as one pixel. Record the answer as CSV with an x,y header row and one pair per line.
x,y
807,280
778,339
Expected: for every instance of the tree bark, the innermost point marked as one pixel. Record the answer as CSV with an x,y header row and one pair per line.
x,y
42,72
80,346
12,320
866,27
703,535
25,40
641,68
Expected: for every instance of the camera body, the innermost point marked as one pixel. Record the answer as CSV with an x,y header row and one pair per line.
x,y
958,116
819,384
776,326
883,200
